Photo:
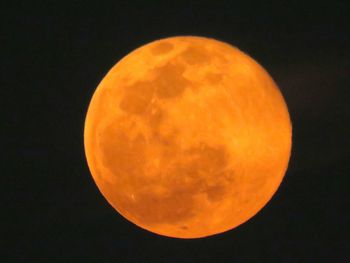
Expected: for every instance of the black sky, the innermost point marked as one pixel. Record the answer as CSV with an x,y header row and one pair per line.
x,y
55,55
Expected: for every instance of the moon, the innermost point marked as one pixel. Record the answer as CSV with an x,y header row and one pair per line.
x,y
187,137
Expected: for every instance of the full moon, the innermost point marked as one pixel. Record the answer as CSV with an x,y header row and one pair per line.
x,y
187,137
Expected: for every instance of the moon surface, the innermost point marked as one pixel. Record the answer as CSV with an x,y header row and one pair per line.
x,y
187,137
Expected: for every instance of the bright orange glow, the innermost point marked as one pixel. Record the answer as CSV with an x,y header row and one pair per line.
x,y
187,137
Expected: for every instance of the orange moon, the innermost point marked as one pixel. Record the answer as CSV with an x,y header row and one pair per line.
x,y
187,137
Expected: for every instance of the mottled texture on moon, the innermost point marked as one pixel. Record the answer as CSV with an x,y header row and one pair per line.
x,y
187,137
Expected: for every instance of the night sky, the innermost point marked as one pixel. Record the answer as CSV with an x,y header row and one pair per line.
x,y
54,56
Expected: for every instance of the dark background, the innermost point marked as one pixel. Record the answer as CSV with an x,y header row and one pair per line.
x,y
53,58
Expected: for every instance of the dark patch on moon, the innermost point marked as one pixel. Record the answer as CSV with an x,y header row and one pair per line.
x,y
213,78
162,48
195,55
121,155
137,97
200,169
170,82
